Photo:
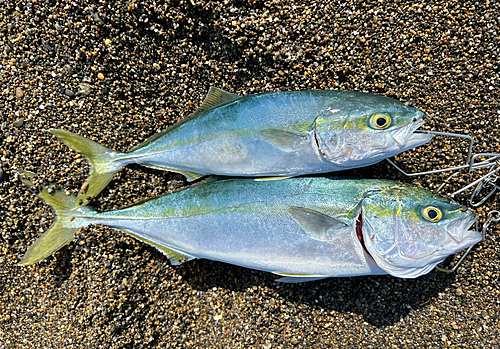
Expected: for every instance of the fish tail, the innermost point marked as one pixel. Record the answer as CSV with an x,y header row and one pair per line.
x,y
102,160
60,233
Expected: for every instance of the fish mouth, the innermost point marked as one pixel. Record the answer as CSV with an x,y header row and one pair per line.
x,y
406,136
469,237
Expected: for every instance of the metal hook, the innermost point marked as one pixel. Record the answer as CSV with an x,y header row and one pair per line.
x,y
493,217
488,180
494,159
446,181
469,154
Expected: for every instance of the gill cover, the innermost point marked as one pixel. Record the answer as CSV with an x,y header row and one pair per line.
x,y
403,235
343,138
360,129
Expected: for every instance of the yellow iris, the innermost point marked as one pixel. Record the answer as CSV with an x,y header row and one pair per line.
x,y
380,121
432,214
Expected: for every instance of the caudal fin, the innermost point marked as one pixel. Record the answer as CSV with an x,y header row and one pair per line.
x,y
59,233
101,159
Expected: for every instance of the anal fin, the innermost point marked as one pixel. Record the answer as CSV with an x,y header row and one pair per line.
x,y
190,176
175,257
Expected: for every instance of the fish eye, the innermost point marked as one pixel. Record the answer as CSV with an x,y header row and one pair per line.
x,y
432,214
380,121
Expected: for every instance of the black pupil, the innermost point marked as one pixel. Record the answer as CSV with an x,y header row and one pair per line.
x,y
381,122
432,214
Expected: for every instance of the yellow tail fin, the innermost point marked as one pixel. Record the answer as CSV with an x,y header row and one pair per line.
x,y
58,235
102,161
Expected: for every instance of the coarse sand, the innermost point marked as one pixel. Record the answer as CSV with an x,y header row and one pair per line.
x,y
120,71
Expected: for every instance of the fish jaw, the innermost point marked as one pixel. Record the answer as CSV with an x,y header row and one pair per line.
x,y
405,248
462,236
406,137
469,238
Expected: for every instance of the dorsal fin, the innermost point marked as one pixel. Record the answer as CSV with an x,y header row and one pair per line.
x,y
215,98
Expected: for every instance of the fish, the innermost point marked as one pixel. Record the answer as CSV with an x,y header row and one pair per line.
x,y
302,228
270,135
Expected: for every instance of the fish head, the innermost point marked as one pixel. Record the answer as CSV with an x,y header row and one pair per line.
x,y
363,129
408,231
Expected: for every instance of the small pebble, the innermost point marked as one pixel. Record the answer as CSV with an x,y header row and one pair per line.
x,y
19,92
84,89
18,123
69,93
69,69
100,76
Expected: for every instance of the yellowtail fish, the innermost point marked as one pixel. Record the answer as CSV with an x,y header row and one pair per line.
x,y
302,229
274,135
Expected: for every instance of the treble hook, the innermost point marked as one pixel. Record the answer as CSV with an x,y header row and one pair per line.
x,y
493,217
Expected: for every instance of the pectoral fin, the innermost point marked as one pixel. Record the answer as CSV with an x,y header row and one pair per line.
x,y
295,278
284,140
316,224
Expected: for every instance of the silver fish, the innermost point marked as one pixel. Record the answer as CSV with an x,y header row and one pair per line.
x,y
300,228
281,134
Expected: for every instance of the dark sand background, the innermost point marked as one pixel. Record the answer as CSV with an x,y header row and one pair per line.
x,y
157,60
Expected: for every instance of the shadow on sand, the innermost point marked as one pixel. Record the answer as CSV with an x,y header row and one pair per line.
x,y
380,300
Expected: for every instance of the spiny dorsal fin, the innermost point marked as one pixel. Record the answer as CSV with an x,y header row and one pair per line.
x,y
215,98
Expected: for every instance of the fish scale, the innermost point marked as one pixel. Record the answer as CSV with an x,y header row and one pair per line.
x,y
278,134
301,228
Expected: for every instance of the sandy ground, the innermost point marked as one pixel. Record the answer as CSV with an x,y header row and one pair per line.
x,y
120,71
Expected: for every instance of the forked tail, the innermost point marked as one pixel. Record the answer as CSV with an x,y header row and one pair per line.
x,y
102,161
60,233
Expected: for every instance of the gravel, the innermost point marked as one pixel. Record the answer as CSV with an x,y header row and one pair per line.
x,y
120,71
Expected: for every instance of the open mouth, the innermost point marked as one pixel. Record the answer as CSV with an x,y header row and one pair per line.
x,y
406,135
471,237
418,139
